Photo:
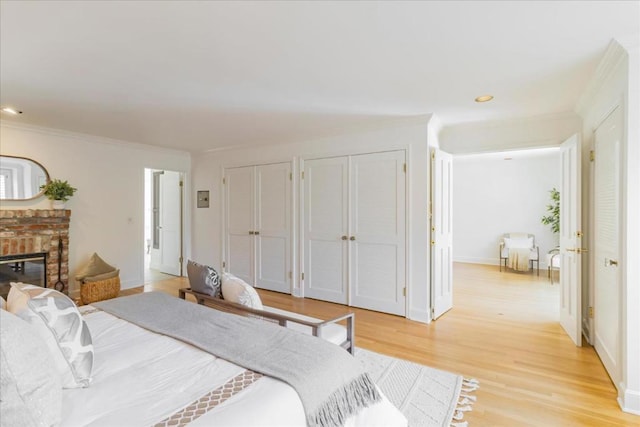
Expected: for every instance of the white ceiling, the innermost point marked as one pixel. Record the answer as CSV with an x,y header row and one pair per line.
x,y
205,75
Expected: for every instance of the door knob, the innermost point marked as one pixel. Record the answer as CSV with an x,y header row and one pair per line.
x,y
577,250
251,232
256,232
344,237
609,262
352,238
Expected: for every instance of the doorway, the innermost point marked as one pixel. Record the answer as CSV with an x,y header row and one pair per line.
x,y
163,230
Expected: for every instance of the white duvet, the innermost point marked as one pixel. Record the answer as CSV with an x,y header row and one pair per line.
x,y
140,378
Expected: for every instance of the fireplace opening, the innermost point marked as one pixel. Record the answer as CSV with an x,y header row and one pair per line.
x,y
26,268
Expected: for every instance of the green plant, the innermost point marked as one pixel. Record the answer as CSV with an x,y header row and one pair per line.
x,y
553,218
57,189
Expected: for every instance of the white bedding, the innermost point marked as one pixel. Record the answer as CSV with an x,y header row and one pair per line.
x,y
141,378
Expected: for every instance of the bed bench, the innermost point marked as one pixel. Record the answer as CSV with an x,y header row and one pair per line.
x,y
329,330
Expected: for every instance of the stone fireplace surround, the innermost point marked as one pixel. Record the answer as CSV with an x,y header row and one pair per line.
x,y
37,230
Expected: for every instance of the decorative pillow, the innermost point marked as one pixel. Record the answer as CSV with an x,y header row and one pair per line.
x,y
31,391
518,243
237,290
101,277
203,279
61,326
95,266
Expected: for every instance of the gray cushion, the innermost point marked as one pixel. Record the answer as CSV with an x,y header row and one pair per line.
x,y
31,390
204,279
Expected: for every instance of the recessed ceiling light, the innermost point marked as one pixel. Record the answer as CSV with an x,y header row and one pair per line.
x,y
484,98
508,158
11,111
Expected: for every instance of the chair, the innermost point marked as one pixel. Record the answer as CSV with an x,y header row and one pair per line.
x,y
519,241
553,262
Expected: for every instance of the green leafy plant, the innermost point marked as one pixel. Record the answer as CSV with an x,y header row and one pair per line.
x,y
57,189
553,219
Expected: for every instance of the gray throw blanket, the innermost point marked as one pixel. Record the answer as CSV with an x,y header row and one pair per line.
x,y
331,383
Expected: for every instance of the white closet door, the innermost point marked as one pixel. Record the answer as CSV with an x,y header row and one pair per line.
x,y
326,229
170,223
377,238
273,227
239,218
607,300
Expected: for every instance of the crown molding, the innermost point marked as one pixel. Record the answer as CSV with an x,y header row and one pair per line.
x,y
88,138
613,58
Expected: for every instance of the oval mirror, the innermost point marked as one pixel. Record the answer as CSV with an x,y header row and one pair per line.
x,y
21,178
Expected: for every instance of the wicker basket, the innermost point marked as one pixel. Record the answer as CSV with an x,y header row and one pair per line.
x,y
101,290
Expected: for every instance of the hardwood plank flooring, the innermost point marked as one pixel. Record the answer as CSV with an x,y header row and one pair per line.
x,y
503,331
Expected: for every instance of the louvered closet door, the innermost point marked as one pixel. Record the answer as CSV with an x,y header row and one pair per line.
x,y
325,224
377,250
239,218
273,227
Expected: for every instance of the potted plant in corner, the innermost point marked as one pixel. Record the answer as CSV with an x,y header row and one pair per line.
x,y
553,219
58,191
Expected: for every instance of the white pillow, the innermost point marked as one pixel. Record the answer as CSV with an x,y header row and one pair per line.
x,y
518,243
237,290
31,391
59,323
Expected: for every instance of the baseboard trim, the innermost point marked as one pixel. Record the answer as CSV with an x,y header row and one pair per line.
x,y
629,400
489,261
421,316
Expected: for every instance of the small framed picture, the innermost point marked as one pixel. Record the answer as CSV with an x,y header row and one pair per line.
x,y
203,199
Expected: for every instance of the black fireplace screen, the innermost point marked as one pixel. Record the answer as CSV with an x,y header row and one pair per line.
x,y
27,268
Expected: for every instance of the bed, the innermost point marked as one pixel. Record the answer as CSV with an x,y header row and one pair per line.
x,y
142,378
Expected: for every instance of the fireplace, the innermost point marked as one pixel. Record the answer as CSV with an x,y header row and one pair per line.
x,y
39,240
26,268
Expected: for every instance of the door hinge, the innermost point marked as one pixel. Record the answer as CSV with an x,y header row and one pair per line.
x,y
290,275
181,183
180,260
404,168
433,154
224,264
433,313
591,312
224,180
302,174
404,292
592,155
302,276
290,176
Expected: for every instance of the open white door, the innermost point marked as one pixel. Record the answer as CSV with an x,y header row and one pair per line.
x,y
571,240
441,233
167,249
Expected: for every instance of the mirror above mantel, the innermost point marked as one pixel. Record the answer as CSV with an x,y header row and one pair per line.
x,y
21,178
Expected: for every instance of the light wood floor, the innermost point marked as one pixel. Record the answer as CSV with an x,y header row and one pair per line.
x,y
503,331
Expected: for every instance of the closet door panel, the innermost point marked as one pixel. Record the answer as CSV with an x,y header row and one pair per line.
x,y
239,219
273,223
326,222
378,227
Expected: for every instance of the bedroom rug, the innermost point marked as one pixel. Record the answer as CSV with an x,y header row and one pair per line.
x,y
426,396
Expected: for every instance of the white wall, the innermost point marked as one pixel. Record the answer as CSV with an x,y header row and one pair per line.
x,y
107,212
493,196
207,175
617,84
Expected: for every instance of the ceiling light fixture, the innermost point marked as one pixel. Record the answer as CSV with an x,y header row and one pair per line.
x,y
11,111
484,98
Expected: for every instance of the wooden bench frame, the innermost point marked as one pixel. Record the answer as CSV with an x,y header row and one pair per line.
x,y
282,320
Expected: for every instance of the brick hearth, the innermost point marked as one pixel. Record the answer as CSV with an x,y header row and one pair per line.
x,y
38,230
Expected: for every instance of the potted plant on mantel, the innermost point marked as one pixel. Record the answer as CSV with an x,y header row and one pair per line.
x,y
58,191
